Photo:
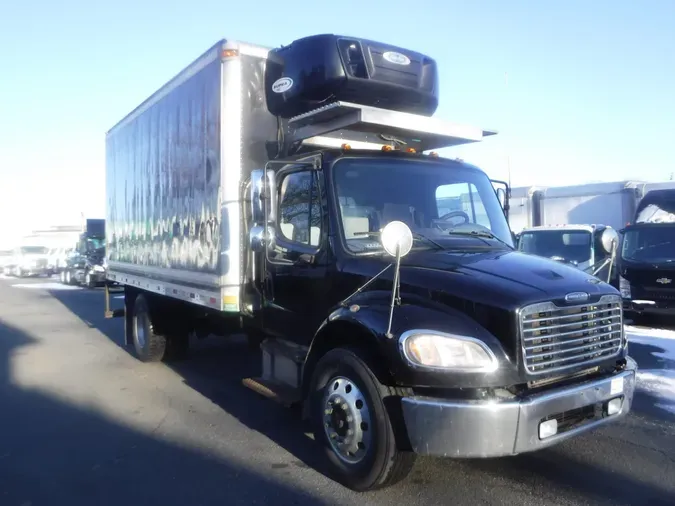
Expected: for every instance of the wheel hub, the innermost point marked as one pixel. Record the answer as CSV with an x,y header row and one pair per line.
x,y
346,420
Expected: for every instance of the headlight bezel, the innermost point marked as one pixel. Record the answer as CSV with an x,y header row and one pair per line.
x,y
408,335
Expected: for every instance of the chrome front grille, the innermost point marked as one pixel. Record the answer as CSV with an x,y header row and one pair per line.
x,y
557,338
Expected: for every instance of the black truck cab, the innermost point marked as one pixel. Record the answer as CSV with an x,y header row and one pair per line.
x,y
394,306
647,260
86,263
488,351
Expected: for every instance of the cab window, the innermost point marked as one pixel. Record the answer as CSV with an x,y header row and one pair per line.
x,y
462,197
300,208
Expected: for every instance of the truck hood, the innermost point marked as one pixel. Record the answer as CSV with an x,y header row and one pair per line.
x,y
505,278
497,278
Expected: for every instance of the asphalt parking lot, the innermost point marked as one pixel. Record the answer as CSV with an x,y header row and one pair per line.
x,y
82,422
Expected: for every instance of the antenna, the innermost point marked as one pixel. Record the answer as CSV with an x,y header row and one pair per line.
x,y
508,155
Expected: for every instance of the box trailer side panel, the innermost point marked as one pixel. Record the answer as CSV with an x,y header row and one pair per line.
x,y
174,171
521,213
599,203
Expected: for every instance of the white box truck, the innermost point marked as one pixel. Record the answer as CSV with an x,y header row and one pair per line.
x,y
294,194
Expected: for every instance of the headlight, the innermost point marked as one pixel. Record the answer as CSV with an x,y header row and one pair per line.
x,y
437,350
99,268
624,288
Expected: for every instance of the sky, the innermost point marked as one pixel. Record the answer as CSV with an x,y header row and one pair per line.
x,y
579,91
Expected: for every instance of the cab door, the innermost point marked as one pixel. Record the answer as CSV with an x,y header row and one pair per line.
x,y
296,284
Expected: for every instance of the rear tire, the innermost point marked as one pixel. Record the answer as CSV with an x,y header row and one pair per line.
x,y
149,345
358,440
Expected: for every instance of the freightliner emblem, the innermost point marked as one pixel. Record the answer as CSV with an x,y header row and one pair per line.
x,y
576,297
664,281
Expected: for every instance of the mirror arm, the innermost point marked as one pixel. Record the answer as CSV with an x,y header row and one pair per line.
x,y
395,292
366,285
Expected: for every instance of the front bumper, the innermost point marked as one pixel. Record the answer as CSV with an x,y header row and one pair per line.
x,y
438,427
97,276
655,307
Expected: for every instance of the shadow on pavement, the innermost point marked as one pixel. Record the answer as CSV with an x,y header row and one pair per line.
x,y
55,454
216,368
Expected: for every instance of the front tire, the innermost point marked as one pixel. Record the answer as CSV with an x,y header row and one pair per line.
x,y
352,423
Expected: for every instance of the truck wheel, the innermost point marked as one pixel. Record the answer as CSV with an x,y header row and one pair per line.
x,y
352,424
149,346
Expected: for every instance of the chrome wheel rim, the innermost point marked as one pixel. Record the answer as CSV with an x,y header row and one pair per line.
x,y
347,420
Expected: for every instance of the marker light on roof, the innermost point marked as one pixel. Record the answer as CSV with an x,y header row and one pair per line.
x,y
346,147
387,147
411,150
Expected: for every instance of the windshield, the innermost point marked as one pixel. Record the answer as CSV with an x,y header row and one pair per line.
x,y
442,202
95,243
33,250
654,244
572,246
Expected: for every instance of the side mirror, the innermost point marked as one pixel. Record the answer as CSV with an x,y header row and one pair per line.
x,y
256,195
270,196
501,195
609,240
263,194
397,239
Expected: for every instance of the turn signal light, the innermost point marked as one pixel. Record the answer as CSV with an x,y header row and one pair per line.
x,y
346,147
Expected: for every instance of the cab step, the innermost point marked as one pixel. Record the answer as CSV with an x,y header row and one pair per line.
x,y
281,378
278,392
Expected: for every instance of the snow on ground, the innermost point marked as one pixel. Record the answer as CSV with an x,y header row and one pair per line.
x,y
657,377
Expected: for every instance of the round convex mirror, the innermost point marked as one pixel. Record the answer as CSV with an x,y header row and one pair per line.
x,y
609,239
397,234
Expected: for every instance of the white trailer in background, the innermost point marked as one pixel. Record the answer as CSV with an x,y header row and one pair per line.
x,y
524,208
612,203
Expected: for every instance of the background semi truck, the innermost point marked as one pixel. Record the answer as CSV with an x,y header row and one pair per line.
x,y
85,264
295,194
647,259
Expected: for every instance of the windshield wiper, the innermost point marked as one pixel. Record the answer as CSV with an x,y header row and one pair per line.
x,y
416,235
480,234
